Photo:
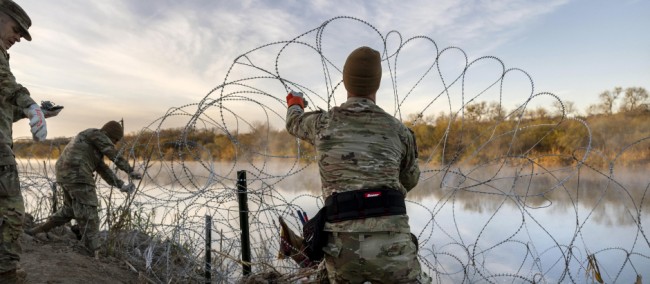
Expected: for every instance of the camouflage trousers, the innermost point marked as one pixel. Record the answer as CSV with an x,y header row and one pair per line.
x,y
80,203
12,210
380,257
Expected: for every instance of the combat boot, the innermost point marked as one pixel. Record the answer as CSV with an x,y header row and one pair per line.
x,y
42,228
14,276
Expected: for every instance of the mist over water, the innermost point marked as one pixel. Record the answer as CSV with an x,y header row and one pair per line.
x,y
488,219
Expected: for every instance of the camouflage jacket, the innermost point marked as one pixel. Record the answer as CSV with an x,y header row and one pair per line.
x,y
85,154
359,146
13,99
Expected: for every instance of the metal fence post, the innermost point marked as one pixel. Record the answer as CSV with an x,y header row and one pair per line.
x,y
243,222
208,249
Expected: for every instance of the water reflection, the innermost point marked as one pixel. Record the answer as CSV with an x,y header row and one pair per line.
x,y
499,224
609,199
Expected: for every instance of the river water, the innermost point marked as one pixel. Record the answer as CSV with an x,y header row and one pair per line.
x,y
473,225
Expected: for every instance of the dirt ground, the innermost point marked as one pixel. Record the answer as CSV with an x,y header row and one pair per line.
x,y
50,260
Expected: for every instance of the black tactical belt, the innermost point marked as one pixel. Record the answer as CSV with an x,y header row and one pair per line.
x,y
361,204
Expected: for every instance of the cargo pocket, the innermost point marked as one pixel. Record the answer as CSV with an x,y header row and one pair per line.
x,y
333,247
83,193
398,245
9,184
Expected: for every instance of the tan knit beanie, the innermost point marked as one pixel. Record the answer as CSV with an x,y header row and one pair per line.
x,y
113,130
362,71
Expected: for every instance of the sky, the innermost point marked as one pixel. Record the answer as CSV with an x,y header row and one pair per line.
x,y
135,60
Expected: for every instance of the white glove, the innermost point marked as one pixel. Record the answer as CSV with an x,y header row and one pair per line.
x,y
36,122
135,175
49,109
128,188
50,113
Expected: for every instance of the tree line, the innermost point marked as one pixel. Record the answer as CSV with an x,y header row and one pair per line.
x,y
482,132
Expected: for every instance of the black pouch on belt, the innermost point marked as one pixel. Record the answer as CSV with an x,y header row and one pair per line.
x,y
314,236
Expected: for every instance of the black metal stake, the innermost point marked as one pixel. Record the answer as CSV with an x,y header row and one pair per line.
x,y
208,249
243,222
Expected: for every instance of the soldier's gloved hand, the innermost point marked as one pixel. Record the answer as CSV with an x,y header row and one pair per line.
x,y
296,98
128,188
51,113
36,122
135,175
49,109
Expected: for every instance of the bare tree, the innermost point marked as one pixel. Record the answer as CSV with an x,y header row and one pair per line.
x,y
593,110
567,108
608,99
635,99
496,111
540,112
537,113
475,111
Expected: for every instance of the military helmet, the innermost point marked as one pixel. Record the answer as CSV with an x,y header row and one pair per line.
x,y
17,13
113,130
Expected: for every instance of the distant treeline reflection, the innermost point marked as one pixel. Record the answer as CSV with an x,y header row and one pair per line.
x,y
483,135
614,198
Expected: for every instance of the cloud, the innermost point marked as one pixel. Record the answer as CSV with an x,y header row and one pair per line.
x,y
131,57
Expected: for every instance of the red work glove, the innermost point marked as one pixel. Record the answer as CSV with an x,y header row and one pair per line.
x,y
296,98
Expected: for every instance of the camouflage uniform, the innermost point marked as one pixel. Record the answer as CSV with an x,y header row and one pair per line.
x,y
75,174
14,99
360,146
